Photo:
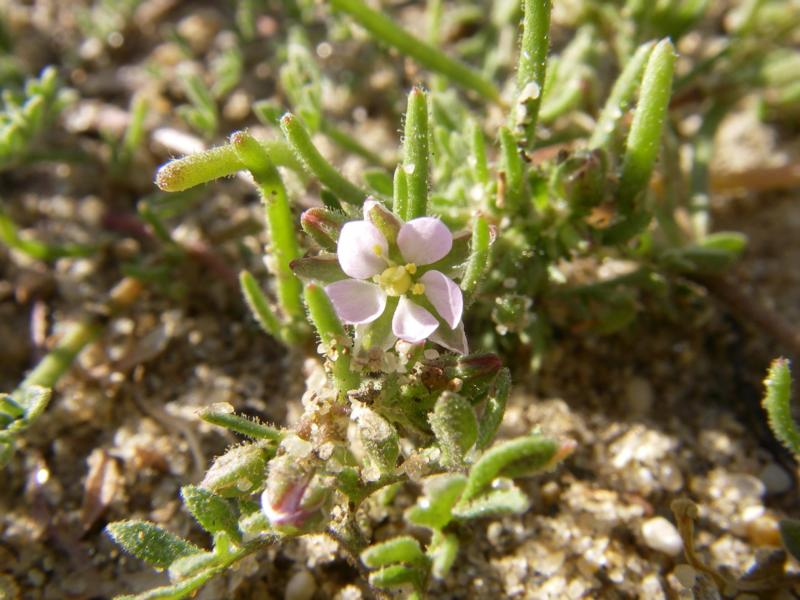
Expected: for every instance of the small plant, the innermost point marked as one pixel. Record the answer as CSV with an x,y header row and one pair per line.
x,y
26,113
440,272
393,272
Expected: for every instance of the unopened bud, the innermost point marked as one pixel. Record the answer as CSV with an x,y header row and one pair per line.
x,y
385,220
323,225
296,497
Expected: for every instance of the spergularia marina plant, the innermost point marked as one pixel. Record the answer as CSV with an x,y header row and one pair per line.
x,y
463,233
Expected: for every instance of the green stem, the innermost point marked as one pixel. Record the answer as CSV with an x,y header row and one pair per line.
x,y
216,163
280,222
387,32
259,305
333,335
315,164
532,66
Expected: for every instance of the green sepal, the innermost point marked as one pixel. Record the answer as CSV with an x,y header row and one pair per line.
x,y
324,269
213,513
150,543
385,220
239,472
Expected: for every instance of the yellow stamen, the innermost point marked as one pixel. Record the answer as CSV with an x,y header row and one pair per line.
x,y
395,280
418,288
377,250
411,268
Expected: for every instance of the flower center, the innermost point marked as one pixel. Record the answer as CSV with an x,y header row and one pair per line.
x,y
396,280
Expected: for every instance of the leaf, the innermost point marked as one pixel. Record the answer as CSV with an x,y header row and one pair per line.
x,y
434,509
790,536
521,455
402,549
239,424
456,427
396,576
494,409
443,551
191,565
151,543
510,500
777,403
213,512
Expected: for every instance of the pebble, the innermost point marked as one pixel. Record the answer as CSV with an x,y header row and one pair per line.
x,y
652,589
686,575
301,586
775,479
662,536
763,531
640,395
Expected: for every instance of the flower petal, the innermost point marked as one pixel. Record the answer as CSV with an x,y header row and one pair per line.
x,y
445,296
452,339
411,322
424,241
355,301
361,249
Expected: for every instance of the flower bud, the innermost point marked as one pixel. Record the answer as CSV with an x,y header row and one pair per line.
x,y
323,225
385,220
296,497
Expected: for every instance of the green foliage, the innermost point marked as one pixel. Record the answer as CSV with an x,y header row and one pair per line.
x,y
27,113
149,542
777,402
524,186
214,513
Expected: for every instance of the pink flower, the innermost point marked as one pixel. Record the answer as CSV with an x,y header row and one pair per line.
x,y
427,304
